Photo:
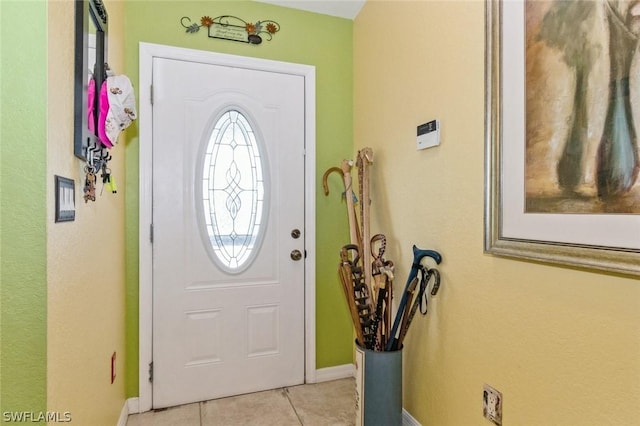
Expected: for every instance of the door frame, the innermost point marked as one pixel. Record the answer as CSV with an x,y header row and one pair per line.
x,y
148,51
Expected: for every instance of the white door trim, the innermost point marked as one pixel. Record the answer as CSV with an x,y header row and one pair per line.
x,y
147,52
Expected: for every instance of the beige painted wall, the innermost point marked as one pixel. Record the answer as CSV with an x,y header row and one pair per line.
x,y
85,264
562,345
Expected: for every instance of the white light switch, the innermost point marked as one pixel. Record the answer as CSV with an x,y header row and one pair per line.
x,y
429,134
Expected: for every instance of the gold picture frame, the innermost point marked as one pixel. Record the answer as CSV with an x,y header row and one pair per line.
x,y
616,258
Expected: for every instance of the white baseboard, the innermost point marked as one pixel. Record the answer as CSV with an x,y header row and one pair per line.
x,y
124,415
335,373
134,405
130,406
408,420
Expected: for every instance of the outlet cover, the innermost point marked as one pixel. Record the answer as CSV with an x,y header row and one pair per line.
x,y
113,368
492,404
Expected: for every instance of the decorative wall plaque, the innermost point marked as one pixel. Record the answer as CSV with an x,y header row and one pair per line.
x,y
229,27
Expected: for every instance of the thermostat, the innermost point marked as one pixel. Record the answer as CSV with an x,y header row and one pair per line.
x,y
429,134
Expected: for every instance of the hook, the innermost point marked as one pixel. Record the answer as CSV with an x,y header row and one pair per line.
x,y
107,71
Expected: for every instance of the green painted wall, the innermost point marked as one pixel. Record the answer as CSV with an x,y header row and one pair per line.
x,y
305,38
23,184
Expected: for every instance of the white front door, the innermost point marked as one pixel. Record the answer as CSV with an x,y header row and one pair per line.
x,y
228,197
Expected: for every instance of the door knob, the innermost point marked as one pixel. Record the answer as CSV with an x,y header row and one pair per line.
x,y
295,233
296,255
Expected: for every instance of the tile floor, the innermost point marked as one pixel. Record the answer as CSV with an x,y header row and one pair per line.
x,y
320,404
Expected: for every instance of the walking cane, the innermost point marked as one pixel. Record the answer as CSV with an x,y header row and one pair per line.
x,y
365,158
354,231
418,255
424,282
359,299
382,274
344,271
345,174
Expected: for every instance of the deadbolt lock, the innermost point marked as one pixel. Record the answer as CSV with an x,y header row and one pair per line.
x,y
295,233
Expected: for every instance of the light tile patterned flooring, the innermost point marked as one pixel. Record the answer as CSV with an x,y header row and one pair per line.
x,y
320,404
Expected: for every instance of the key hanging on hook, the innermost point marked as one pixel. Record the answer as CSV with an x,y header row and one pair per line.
x,y
89,185
108,180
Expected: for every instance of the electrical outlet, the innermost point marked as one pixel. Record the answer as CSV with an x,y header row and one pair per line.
x,y
113,368
492,404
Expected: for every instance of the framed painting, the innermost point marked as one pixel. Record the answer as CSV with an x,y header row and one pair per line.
x,y
562,111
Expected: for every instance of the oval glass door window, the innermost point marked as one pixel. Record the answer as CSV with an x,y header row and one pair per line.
x,y
233,191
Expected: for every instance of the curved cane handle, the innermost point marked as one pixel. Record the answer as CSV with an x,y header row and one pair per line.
x,y
419,254
325,177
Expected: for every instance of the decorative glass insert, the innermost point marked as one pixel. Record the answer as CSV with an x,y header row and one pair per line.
x,y
233,191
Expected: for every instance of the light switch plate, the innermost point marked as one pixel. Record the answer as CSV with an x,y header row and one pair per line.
x,y
429,134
